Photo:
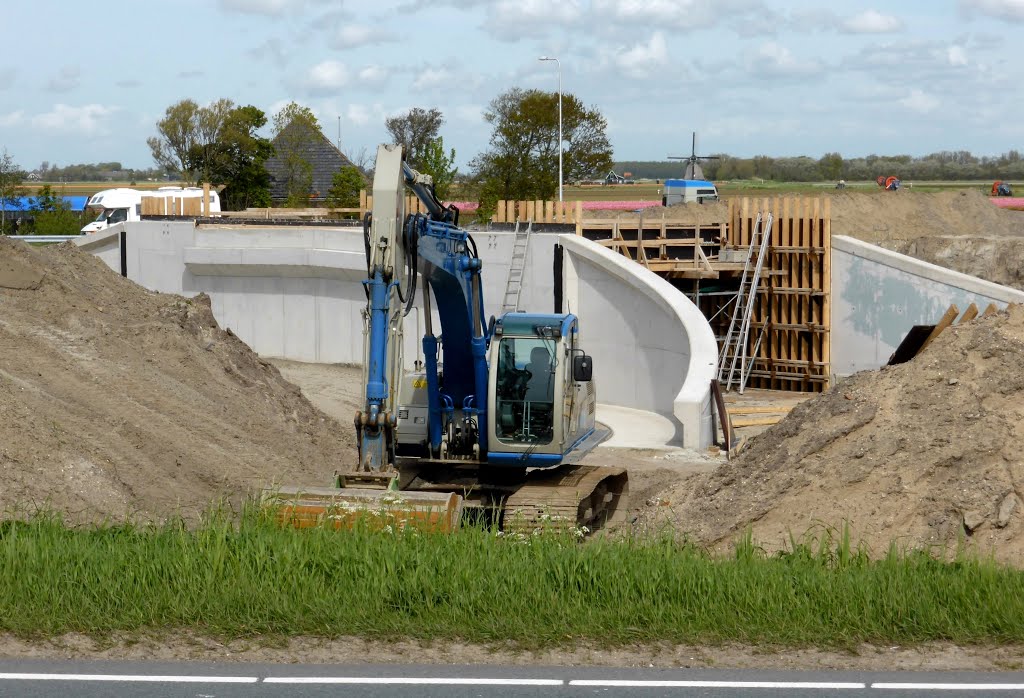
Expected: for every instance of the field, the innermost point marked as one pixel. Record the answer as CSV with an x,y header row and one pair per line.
x,y
641,191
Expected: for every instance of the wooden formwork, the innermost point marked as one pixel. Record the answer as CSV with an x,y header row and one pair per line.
x,y
793,309
705,261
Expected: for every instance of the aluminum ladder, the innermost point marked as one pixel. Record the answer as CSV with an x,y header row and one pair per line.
x,y
733,365
514,282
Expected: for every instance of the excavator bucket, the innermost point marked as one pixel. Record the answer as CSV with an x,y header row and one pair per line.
x,y
347,508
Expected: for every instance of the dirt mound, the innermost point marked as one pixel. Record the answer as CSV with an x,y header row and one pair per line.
x,y
921,453
114,399
903,216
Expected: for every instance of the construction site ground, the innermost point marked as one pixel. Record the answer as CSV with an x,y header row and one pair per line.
x,y
116,401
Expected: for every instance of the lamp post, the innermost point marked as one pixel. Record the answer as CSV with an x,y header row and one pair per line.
x,y
559,66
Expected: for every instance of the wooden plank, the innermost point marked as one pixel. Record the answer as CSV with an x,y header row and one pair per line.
x,y
826,284
990,310
738,422
946,321
737,408
549,211
969,314
723,415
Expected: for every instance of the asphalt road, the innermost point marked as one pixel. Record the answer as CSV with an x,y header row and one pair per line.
x,y
36,678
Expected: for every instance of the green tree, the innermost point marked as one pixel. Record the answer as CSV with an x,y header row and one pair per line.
x,y
237,159
296,129
440,166
831,166
522,162
11,177
414,131
185,127
52,215
345,187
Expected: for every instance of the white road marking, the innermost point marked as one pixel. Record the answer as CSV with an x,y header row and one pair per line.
x,y
618,683
128,677
951,686
412,681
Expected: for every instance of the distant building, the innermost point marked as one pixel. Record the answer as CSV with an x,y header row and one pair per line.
x,y
320,152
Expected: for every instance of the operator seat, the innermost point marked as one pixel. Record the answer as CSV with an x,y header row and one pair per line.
x,y
541,387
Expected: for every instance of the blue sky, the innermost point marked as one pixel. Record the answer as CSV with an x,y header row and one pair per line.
x,y
87,82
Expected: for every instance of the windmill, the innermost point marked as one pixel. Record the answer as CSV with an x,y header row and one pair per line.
x,y
693,170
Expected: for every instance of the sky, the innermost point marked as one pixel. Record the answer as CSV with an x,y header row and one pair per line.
x,y
88,82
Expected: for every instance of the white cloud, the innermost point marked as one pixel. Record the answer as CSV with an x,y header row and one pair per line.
x,y
431,78
12,119
1008,10
643,60
677,14
327,76
65,80
374,74
920,101
272,8
777,61
957,55
538,12
358,114
356,35
88,118
872,22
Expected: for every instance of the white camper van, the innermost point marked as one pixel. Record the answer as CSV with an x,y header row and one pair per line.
x,y
119,205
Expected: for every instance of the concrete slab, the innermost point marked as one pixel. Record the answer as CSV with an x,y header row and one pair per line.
x,y
633,428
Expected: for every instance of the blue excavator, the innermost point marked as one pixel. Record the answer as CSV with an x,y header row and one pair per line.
x,y
492,423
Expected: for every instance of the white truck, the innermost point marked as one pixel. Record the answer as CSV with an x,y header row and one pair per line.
x,y
119,205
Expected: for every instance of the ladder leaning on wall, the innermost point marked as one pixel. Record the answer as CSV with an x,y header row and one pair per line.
x,y
734,365
514,282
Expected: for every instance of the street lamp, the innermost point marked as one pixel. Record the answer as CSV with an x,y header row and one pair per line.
x,y
559,65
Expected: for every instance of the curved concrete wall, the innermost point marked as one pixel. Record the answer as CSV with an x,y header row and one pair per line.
x,y
295,292
652,347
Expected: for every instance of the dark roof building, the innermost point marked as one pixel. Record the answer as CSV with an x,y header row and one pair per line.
x,y
313,147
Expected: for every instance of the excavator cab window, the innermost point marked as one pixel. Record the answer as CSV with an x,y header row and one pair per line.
x,y
525,396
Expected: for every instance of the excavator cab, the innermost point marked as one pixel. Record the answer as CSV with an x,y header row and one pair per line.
x,y
543,406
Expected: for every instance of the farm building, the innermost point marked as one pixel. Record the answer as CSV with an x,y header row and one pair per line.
x,y
313,147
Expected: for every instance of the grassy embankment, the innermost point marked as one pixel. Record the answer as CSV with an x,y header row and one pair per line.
x,y
232,580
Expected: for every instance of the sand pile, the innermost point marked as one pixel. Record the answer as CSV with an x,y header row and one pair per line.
x,y
919,453
114,399
898,218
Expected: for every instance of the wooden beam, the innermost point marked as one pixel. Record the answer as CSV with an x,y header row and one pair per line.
x,y
946,321
990,310
969,314
738,422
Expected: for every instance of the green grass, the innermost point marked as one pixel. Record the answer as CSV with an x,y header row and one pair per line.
x,y
253,578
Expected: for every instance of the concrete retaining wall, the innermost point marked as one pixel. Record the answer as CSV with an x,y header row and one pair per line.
x,y
652,348
295,292
878,295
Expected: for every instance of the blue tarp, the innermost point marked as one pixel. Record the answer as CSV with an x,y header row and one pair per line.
x,y
24,203
688,183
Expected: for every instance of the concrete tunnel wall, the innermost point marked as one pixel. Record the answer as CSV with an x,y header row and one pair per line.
x,y
295,292
878,295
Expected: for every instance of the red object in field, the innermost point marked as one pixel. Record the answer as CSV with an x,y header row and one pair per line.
x,y
881,180
889,181
995,187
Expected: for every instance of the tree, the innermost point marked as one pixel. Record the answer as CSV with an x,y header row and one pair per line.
x,y
11,177
52,215
414,131
237,159
831,165
440,166
345,187
523,160
295,130
185,127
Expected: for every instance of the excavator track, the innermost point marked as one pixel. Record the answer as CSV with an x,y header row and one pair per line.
x,y
581,497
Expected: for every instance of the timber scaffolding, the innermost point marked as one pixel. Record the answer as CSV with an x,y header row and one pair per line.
x,y
706,260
